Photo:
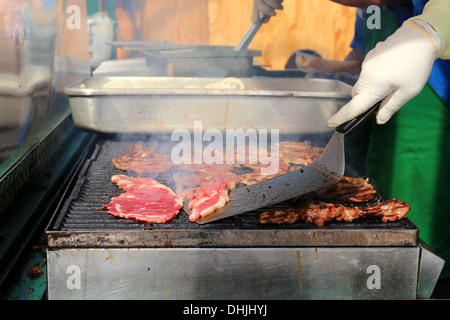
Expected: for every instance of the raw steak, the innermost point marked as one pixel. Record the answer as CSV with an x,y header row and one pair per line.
x,y
144,200
205,200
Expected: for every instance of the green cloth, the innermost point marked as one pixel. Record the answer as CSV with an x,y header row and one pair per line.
x,y
408,158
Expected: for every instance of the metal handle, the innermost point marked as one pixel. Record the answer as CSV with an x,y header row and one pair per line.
x,y
248,37
263,18
348,127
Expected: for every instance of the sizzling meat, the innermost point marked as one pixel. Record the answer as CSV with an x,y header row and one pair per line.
x,y
205,200
206,187
292,155
298,153
184,180
143,161
348,190
318,212
144,200
254,176
347,200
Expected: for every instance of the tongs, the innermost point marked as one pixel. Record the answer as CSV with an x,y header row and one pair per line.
x,y
325,171
250,34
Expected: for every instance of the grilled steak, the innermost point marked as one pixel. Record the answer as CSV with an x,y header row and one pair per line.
x,y
144,200
136,154
254,176
347,200
298,153
318,212
185,181
143,160
348,190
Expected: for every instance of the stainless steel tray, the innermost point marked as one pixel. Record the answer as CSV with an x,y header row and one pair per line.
x,y
163,104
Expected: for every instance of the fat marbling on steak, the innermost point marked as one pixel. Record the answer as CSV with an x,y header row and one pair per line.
x,y
144,200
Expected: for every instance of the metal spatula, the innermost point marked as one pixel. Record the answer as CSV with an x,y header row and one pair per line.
x,y
326,170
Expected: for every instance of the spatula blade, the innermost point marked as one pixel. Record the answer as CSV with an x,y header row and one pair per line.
x,y
327,170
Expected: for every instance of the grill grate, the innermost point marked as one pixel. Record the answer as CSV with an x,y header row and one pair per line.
x,y
92,188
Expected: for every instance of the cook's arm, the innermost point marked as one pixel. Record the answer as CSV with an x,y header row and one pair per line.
x,y
397,69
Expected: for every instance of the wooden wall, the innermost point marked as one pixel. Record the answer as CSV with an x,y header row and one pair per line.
x,y
321,25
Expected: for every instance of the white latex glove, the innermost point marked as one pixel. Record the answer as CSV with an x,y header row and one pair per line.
x,y
395,71
266,7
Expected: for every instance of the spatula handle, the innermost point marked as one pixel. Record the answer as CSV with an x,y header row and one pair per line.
x,y
251,32
348,127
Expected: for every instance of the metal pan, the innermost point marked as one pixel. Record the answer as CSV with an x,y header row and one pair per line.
x,y
200,61
163,104
178,60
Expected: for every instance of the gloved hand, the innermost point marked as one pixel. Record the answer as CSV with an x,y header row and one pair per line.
x,y
266,7
395,71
